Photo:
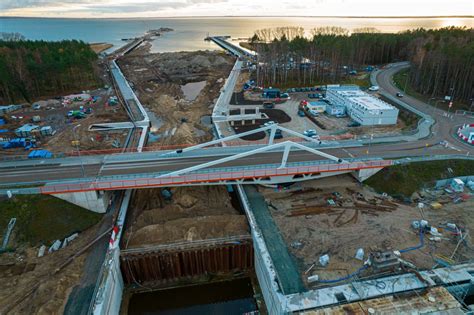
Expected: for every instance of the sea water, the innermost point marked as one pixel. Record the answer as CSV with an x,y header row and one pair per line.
x,y
189,33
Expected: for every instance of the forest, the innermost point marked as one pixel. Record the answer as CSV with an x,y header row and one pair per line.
x,y
442,59
32,69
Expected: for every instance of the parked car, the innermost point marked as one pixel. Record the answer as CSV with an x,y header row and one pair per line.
x,y
341,115
399,94
301,113
312,95
310,132
354,124
285,95
374,88
303,103
268,105
313,113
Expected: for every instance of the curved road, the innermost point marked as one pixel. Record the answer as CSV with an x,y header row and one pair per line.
x,y
141,163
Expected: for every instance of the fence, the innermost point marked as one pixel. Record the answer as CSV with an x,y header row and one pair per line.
x,y
211,176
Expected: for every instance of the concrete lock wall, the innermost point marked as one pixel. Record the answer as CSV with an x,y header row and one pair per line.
x,y
96,201
274,300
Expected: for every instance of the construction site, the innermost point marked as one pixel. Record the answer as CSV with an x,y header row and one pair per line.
x,y
327,245
332,226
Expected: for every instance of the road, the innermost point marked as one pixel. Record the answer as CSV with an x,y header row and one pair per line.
x,y
13,173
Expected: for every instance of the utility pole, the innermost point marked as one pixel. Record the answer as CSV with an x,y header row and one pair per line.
x,y
76,142
406,83
451,99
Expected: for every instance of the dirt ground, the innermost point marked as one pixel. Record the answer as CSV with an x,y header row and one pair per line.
x,y
364,219
28,284
275,115
193,213
157,80
67,129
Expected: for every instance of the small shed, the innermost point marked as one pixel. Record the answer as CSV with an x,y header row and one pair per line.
x,y
318,106
271,93
46,131
26,130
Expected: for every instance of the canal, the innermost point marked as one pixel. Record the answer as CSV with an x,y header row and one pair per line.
x,y
229,297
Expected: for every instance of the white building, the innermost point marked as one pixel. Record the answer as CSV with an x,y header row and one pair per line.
x,y
362,107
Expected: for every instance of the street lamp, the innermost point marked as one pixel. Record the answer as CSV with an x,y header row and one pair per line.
x,y
76,142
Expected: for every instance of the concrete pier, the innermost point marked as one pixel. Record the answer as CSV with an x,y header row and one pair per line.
x,y
96,201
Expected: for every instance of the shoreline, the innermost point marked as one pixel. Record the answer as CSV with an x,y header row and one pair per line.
x,y
243,16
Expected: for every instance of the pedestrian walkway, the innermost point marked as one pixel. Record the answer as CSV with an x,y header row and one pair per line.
x,y
285,266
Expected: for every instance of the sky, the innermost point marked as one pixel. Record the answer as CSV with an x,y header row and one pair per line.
x,y
175,8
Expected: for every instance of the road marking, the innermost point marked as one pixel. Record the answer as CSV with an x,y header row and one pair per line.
x,y
348,153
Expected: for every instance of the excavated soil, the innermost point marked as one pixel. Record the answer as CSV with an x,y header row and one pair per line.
x,y
28,283
157,79
194,213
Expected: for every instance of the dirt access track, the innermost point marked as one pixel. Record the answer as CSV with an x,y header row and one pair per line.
x,y
179,89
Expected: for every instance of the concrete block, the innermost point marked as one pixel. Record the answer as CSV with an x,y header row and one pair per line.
x,y
362,175
91,200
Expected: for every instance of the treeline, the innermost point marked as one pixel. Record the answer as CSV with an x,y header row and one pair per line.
x,y
443,59
31,69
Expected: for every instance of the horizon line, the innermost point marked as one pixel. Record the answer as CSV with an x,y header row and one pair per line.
x,y
248,16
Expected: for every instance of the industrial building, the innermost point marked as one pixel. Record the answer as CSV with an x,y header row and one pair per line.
x,y
8,108
26,130
362,107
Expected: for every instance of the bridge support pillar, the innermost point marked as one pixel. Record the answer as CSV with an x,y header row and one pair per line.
x,y
96,201
364,174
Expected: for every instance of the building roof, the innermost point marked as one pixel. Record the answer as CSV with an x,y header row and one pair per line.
x,y
27,127
351,93
370,103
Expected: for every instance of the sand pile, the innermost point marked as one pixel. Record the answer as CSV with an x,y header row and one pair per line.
x,y
193,213
190,229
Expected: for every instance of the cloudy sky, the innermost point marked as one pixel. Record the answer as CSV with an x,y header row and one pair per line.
x,y
172,8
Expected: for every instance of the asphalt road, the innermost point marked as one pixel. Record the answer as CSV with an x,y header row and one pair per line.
x,y
75,168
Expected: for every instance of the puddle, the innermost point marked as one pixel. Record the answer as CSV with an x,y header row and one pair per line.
x,y
192,90
152,137
206,121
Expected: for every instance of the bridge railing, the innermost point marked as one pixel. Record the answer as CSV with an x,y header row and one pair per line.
x,y
206,176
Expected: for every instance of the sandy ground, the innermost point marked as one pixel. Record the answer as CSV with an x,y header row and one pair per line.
x,y
311,228
100,47
158,81
28,284
194,213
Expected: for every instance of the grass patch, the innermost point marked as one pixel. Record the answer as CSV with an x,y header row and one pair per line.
x,y
400,80
406,179
43,219
410,119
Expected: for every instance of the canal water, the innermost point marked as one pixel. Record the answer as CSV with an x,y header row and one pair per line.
x,y
229,298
